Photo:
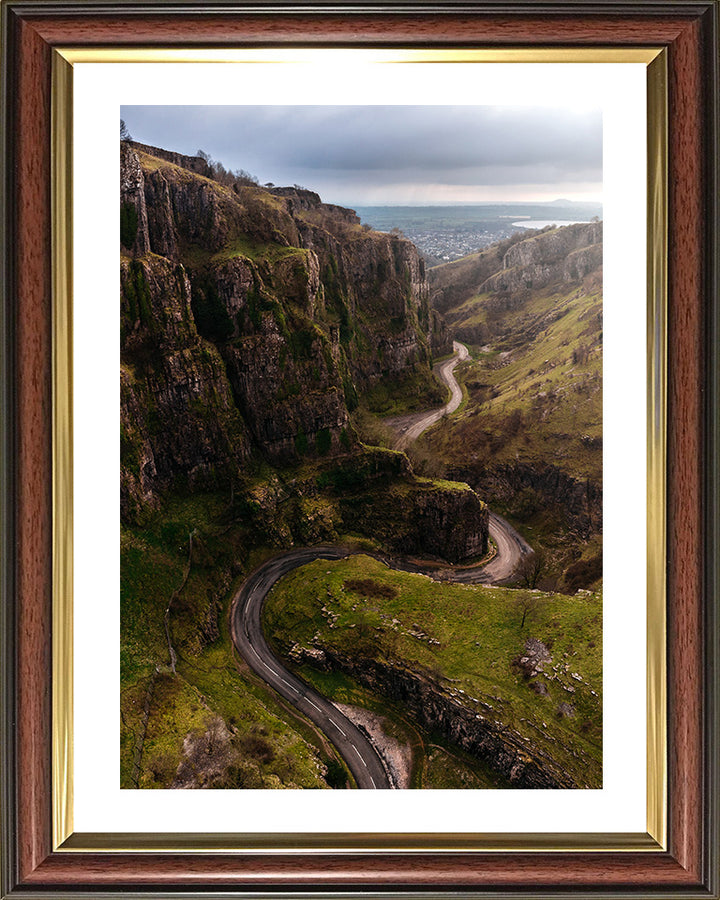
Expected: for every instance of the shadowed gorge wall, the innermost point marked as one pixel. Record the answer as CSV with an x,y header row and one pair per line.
x,y
252,320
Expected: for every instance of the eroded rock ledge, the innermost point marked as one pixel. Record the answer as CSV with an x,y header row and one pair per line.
x,y
473,728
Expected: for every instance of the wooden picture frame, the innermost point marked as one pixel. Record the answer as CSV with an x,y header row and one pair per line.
x,y
687,33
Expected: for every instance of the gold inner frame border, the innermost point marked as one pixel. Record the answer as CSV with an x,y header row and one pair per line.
x,y
65,839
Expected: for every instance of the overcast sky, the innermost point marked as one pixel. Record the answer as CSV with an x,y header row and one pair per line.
x,y
385,155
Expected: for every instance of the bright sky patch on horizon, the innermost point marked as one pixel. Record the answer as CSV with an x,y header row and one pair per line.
x,y
393,155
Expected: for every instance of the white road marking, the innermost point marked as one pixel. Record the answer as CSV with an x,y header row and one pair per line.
x,y
335,724
276,674
257,593
357,753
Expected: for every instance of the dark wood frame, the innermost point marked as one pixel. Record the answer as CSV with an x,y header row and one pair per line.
x,y
689,31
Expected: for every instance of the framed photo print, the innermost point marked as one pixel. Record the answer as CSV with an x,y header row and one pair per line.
x,y
409,586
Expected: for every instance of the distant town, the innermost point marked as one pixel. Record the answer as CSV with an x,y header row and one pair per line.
x,y
445,233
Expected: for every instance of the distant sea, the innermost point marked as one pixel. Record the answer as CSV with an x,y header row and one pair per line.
x,y
544,223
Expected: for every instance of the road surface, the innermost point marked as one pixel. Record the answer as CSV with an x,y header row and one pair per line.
x,y
353,745
412,426
359,754
511,547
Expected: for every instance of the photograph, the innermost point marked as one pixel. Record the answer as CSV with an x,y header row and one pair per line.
x,y
361,447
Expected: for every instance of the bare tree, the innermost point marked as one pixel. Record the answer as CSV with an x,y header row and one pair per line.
x,y
124,133
532,568
527,605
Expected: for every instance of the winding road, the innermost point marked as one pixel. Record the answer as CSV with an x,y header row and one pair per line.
x,y
247,634
412,426
511,546
360,755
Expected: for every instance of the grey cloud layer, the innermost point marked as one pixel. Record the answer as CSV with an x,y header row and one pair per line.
x,y
343,149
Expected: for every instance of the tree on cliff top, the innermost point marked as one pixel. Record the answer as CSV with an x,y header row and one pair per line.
x,y
226,176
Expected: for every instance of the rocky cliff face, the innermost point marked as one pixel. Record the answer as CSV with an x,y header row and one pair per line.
x,y
194,163
251,320
373,492
177,416
132,202
475,729
518,486
449,522
562,256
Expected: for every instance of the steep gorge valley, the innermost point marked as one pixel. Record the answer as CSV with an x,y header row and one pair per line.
x,y
265,339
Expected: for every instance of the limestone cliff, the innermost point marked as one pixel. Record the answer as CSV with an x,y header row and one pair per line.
x,y
562,255
177,416
448,521
251,321
527,261
522,488
475,728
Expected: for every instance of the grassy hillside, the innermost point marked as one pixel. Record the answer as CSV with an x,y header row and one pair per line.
x,y
211,716
467,640
535,393
528,435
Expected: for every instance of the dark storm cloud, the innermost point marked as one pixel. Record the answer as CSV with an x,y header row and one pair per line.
x,y
351,150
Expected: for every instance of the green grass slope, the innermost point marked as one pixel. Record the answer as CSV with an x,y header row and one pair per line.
x,y
535,393
209,723
529,433
180,569
468,640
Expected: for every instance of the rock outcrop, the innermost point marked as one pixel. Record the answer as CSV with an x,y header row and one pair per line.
x,y
251,321
474,728
563,255
516,485
554,256
194,163
134,232
424,520
177,415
